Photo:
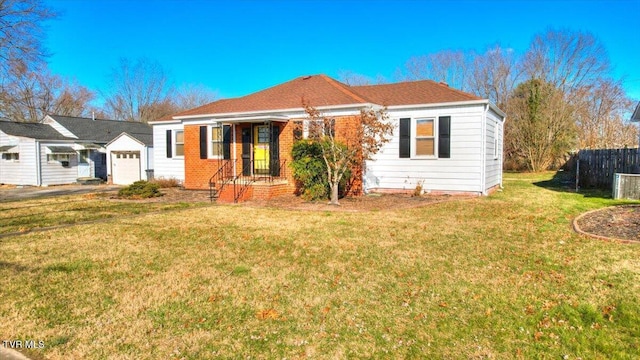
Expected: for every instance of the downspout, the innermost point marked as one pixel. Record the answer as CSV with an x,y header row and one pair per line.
x,y
501,143
39,165
483,151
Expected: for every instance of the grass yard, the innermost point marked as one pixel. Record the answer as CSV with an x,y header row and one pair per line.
x,y
27,215
501,277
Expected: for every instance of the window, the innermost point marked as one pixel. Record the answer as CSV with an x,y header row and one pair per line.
x,y
58,158
314,129
11,156
179,143
425,138
216,141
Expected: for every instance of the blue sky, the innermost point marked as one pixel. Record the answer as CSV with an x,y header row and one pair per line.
x,y
238,47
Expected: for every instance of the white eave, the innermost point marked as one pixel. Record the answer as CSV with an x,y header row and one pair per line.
x,y
636,113
249,114
231,120
454,103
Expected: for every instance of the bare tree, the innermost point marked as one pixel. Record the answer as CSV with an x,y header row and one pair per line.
x,y
28,96
351,147
601,116
568,60
494,75
353,79
21,32
451,67
191,96
139,91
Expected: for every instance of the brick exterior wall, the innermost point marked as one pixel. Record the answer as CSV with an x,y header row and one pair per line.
x,y
199,171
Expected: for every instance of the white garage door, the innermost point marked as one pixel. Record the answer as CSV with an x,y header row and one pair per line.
x,y
125,167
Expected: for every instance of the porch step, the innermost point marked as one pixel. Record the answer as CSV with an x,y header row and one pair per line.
x,y
89,181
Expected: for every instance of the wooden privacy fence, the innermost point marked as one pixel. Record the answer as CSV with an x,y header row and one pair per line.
x,y
596,168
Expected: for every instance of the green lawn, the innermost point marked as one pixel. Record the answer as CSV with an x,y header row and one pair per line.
x,y
499,277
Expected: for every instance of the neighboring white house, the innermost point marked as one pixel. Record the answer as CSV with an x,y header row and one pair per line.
x,y
446,140
60,149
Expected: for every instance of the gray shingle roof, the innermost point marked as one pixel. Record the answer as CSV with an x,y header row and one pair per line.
x,y
31,130
103,131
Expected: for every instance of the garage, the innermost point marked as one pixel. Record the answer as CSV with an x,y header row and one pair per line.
x,y
125,167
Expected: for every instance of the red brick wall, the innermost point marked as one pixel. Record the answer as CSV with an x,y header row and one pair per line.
x,y
197,172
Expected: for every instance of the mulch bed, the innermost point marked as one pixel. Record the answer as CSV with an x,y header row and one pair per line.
x,y
618,222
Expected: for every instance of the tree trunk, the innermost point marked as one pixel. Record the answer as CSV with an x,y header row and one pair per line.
x,y
334,193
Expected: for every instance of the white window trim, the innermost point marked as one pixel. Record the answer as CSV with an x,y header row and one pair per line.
x,y
210,154
174,144
57,160
414,133
10,160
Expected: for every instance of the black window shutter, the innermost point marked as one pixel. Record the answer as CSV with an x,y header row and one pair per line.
x,y
226,142
405,138
169,154
203,142
444,137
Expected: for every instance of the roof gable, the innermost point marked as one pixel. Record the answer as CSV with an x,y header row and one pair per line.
x,y
318,90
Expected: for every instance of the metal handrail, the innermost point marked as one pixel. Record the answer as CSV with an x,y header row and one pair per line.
x,y
224,175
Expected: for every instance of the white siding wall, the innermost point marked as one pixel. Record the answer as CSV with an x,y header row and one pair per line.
x,y
23,171
53,173
126,143
461,172
163,166
493,165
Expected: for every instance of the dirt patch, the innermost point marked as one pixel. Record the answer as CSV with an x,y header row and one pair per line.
x,y
618,222
375,202
171,195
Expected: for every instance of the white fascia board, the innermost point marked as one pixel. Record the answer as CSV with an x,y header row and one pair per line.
x,y
161,122
493,107
266,112
454,103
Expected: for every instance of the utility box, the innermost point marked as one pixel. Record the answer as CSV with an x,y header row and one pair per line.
x,y
626,186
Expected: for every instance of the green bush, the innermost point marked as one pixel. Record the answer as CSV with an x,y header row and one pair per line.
x,y
310,171
140,190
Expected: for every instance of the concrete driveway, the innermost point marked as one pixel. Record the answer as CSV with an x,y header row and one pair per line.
x,y
35,192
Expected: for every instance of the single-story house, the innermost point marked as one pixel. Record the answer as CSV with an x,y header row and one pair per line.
x,y
62,149
446,140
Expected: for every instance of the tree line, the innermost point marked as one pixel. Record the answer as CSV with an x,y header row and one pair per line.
x,y
560,95
138,90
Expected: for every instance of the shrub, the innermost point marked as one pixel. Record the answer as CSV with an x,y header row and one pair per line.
x,y
166,182
310,171
140,190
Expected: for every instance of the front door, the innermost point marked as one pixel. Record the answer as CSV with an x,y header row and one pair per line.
x,y
261,139
84,168
246,151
